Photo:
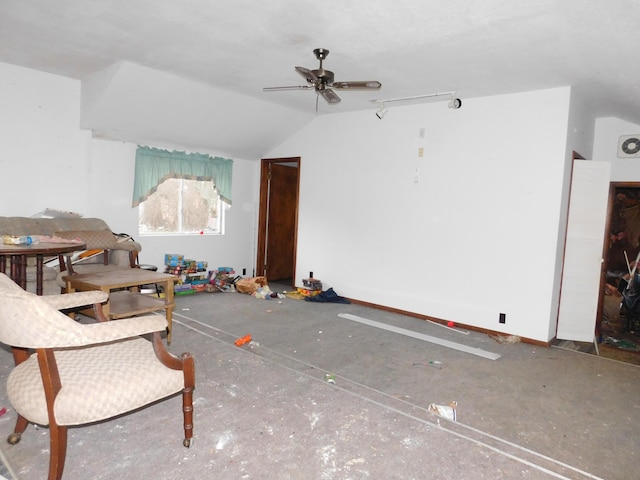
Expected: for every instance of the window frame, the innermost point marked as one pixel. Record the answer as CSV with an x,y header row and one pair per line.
x,y
222,208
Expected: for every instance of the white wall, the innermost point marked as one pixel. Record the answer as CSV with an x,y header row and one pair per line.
x,y
47,161
43,154
464,233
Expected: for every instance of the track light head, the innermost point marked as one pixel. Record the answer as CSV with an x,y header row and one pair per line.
x,y
381,112
455,103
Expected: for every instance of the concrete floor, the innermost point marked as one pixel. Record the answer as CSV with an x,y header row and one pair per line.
x,y
265,410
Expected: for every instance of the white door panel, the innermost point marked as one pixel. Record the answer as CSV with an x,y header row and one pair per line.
x,y
583,251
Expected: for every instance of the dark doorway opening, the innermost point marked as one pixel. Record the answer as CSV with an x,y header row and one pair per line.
x,y
619,326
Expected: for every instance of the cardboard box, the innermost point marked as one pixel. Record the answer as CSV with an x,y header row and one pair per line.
x,y
173,260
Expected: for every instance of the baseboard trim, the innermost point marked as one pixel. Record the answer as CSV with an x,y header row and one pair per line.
x,y
442,321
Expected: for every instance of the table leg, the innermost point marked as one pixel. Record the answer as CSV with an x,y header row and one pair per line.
x,y
19,270
39,274
106,307
23,271
168,299
70,289
3,264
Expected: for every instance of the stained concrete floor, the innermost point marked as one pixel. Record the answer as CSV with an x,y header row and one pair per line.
x,y
265,410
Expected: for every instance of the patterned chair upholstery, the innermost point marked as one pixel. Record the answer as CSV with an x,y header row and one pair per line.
x,y
84,373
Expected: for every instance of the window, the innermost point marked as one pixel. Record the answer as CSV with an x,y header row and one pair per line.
x,y
181,193
182,206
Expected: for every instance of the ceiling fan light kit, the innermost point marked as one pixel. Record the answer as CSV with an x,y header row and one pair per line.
x,y
322,81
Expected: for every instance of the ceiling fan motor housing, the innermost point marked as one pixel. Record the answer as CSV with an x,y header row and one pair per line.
x,y
325,76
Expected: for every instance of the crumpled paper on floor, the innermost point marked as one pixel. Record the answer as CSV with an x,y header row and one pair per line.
x,y
445,411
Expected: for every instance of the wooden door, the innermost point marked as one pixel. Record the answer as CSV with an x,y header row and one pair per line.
x,y
277,233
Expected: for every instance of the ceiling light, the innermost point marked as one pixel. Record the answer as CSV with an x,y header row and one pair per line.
x,y
381,112
455,103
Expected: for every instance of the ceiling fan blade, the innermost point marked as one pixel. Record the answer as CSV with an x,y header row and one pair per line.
x,y
372,84
329,95
293,87
307,74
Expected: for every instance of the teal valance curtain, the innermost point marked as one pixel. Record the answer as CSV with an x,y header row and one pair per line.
x,y
153,166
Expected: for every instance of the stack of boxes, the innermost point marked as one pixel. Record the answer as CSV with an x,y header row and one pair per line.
x,y
311,287
196,274
192,273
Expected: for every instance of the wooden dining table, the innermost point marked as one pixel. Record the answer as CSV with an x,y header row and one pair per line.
x,y
18,255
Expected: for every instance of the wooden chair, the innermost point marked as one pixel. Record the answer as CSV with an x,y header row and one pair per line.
x,y
84,373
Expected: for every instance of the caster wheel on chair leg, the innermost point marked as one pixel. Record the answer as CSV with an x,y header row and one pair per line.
x,y
13,438
187,442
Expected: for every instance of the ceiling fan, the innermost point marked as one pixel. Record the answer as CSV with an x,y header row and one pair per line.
x,y
321,81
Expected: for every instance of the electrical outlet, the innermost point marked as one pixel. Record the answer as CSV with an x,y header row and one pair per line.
x,y
310,274
503,318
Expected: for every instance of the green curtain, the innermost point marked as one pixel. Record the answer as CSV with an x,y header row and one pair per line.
x,y
153,166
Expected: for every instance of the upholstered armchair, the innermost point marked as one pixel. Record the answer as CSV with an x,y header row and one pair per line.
x,y
84,373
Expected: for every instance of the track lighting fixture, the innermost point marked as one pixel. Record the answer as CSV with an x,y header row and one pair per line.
x,y
381,112
454,103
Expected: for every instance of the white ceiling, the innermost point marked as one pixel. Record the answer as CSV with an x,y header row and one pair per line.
x,y
414,47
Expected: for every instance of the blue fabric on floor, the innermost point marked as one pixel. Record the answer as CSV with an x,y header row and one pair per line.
x,y
328,296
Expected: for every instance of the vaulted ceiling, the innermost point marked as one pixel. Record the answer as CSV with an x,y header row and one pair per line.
x,y
192,72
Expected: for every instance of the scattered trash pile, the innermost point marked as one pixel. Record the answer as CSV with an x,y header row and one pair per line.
x,y
194,277
622,344
222,280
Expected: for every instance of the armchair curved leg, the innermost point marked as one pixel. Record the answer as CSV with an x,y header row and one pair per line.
x,y
187,410
187,397
185,363
21,426
58,451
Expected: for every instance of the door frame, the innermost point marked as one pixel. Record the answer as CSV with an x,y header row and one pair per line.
x,y
263,213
